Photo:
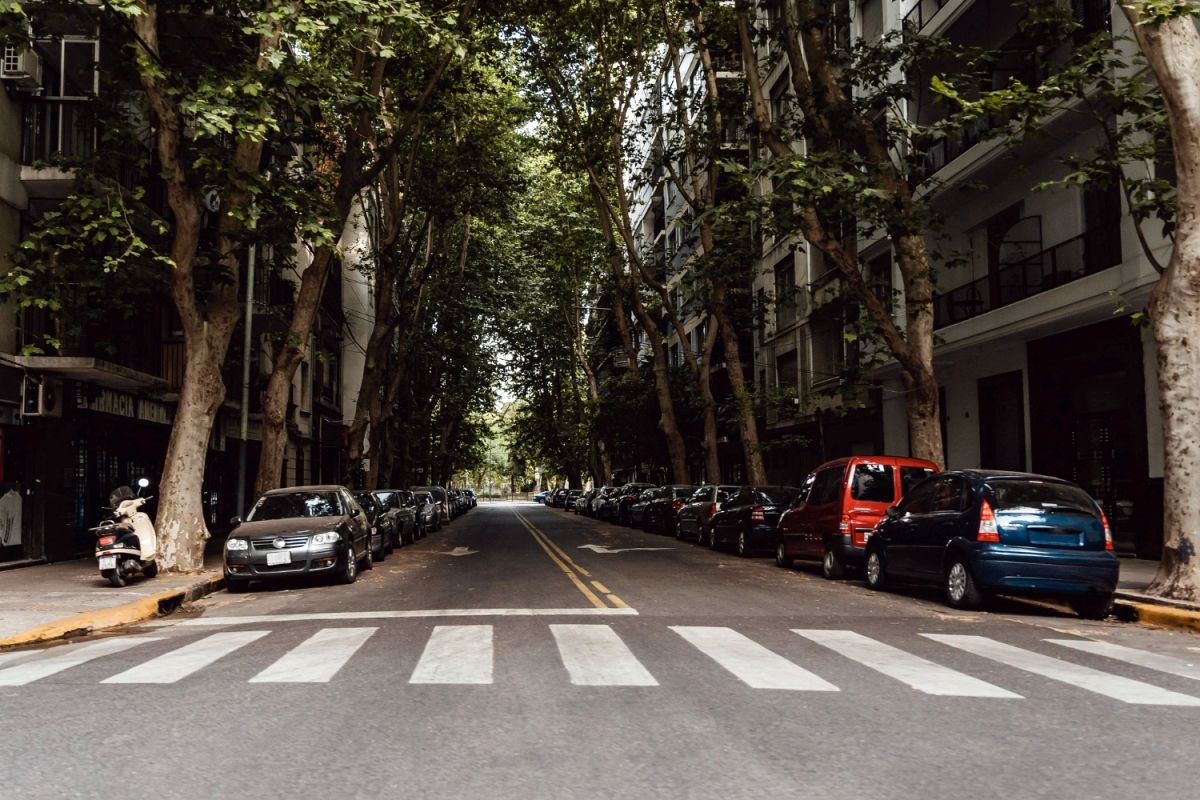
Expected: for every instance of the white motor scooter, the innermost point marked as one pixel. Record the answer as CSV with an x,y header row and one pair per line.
x,y
126,545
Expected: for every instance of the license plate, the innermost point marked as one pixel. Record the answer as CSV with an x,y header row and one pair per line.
x,y
274,559
108,562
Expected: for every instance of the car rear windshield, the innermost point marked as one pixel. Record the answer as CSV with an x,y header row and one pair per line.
x,y
1039,497
778,497
684,492
296,504
388,499
873,483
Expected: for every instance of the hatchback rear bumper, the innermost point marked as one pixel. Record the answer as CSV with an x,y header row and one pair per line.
x,y
1033,570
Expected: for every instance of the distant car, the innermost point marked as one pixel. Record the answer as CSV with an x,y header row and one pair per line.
x,y
427,515
442,498
583,501
472,501
748,518
691,520
400,506
659,516
381,524
569,500
557,498
540,497
980,533
637,509
304,530
598,498
839,505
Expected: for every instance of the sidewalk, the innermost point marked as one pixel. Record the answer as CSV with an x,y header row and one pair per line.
x,y
49,601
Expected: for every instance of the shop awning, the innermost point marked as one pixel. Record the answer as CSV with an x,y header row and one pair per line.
x,y
92,370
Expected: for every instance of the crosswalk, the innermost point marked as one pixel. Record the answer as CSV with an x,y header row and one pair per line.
x,y
596,655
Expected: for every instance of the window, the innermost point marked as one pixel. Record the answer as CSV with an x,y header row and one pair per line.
x,y
805,489
911,476
296,504
828,349
873,483
786,374
949,493
785,293
879,278
1040,497
871,14
920,499
827,487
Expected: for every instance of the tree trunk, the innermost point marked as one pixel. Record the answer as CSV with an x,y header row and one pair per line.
x,y
756,471
1172,47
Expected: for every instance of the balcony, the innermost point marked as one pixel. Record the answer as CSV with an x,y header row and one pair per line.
x,y
54,131
921,14
1086,254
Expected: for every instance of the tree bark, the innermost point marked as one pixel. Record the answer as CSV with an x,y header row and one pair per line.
x,y
1172,48
756,472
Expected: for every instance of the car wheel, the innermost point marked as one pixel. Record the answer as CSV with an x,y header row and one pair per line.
x,y
961,591
782,559
381,553
712,538
349,571
1092,607
743,547
833,568
368,558
236,585
876,571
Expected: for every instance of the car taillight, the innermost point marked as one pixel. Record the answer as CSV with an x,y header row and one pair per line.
x,y
712,509
988,531
1108,542
758,515
106,540
844,526
678,504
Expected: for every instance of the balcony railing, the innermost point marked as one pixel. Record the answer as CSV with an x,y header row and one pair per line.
x,y
55,128
1086,254
920,14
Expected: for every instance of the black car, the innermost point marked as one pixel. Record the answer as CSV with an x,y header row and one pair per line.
x,y
637,509
748,518
557,497
979,533
659,515
692,519
304,530
399,506
616,508
381,524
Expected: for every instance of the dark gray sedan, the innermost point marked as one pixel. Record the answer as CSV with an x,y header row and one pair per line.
x,y
303,530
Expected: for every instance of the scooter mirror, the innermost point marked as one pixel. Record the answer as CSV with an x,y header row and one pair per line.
x,y
143,483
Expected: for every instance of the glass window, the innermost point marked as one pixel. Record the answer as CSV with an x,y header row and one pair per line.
x,y
296,504
911,476
873,483
775,496
827,487
805,490
949,493
1038,497
367,501
920,499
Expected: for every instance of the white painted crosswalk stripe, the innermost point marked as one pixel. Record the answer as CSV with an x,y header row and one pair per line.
x,y
1140,658
1092,680
460,654
178,664
750,662
595,656
8,658
919,673
318,658
58,661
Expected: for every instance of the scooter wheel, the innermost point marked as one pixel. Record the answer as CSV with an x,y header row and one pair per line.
x,y
151,569
114,577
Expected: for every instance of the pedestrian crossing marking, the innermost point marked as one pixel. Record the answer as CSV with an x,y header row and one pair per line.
x,y
1140,658
919,673
595,656
56,662
458,654
178,664
8,658
318,658
1093,680
750,662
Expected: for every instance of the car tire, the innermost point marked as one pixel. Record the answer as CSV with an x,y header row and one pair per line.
x,y
380,554
961,589
236,585
833,566
743,546
712,542
368,561
782,559
876,571
678,531
349,570
1093,606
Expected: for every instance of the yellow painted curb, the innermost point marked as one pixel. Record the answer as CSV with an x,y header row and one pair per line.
x,y
125,614
1166,616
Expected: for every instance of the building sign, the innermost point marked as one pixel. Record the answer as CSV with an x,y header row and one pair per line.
x,y
10,519
122,404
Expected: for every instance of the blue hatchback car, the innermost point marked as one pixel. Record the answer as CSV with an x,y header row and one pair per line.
x,y
979,533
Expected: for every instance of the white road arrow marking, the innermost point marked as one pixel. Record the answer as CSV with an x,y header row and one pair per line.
x,y
599,548
459,551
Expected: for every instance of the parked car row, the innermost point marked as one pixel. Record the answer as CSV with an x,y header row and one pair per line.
x,y
973,533
330,530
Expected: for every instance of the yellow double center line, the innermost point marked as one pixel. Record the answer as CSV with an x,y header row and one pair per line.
x,y
573,571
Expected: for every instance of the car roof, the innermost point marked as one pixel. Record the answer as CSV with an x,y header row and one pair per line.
x,y
890,461
991,474
313,488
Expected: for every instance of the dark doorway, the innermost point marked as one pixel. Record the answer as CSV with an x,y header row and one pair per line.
x,y
1002,422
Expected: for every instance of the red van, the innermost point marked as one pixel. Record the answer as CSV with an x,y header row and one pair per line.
x,y
838,506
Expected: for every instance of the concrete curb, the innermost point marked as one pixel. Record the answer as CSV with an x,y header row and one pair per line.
x,y
135,611
1135,607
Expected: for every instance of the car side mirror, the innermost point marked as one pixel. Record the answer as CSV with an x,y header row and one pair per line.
x,y
235,521
893,512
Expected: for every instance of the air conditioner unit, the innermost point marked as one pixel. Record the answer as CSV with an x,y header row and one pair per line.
x,y
41,397
22,66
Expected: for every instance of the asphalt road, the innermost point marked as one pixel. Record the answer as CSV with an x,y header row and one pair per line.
x,y
511,656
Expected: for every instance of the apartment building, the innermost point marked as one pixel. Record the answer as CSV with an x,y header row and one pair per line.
x,y
95,413
1040,366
